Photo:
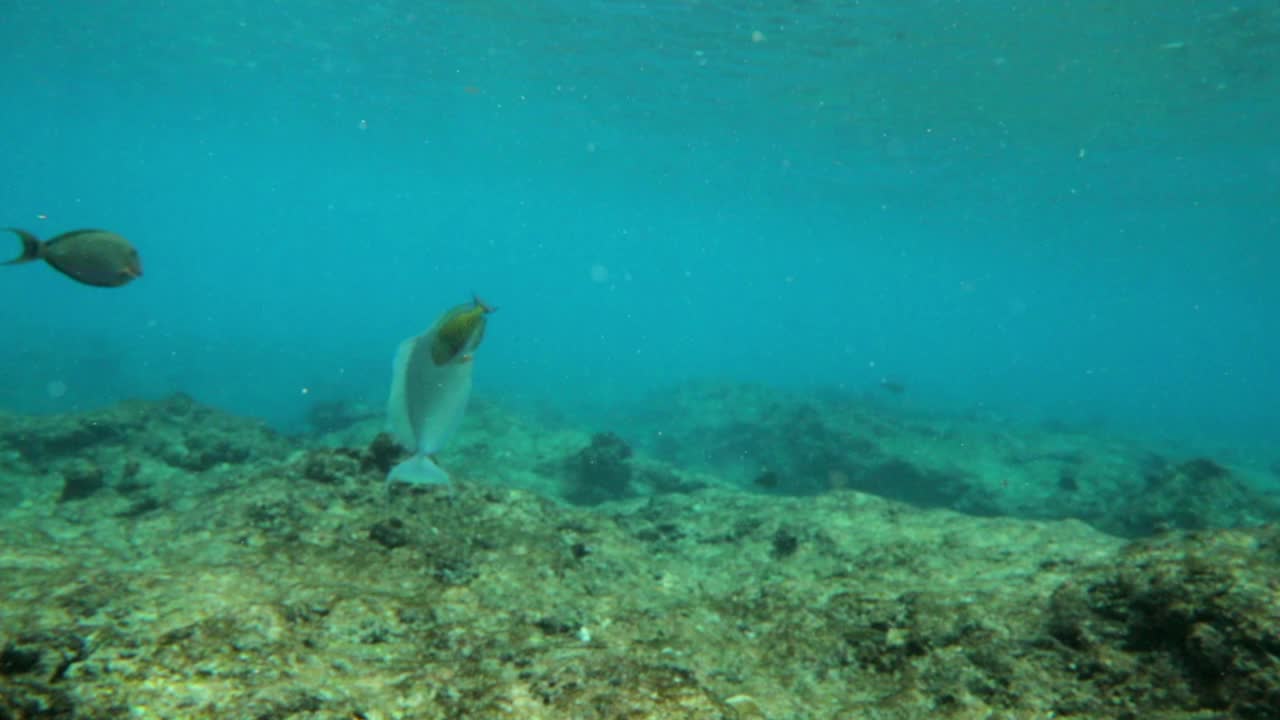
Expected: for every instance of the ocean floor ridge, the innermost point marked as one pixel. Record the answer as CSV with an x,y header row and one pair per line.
x,y
163,559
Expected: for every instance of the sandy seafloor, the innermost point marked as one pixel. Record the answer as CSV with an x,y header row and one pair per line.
x,y
734,553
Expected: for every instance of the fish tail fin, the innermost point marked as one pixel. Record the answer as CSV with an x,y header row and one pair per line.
x,y
31,247
418,470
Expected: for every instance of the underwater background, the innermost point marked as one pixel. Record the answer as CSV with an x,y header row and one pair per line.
x,y
1062,212
909,361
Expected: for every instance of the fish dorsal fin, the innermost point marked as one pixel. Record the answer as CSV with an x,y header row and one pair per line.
x,y
72,234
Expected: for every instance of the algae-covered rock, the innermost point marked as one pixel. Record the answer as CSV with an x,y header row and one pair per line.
x,y
599,472
1192,495
809,443
1189,621
294,583
80,479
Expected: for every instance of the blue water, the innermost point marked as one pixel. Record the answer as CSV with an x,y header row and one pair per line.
x,y
1039,212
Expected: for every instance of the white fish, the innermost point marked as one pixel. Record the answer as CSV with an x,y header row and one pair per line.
x,y
430,386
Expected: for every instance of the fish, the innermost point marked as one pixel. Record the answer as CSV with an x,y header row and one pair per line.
x,y
93,257
892,386
430,387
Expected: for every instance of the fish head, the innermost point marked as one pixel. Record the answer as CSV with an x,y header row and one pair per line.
x,y
121,270
459,332
131,268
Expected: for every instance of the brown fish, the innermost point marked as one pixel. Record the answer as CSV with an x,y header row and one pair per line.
x,y
93,257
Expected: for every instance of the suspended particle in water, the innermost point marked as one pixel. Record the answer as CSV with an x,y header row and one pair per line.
x,y
757,37
599,274
363,125
56,389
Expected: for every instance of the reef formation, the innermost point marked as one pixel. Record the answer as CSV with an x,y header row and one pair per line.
x,y
164,559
